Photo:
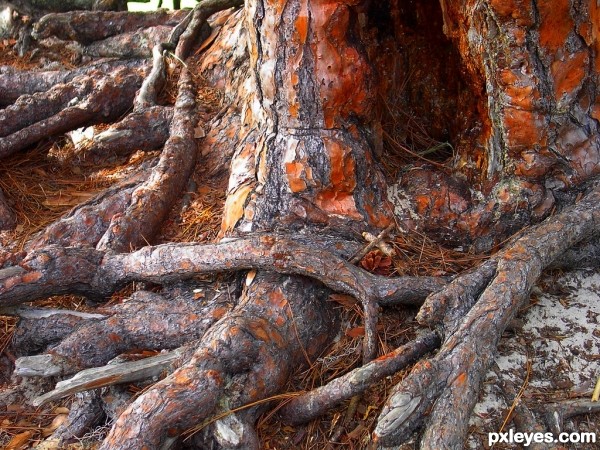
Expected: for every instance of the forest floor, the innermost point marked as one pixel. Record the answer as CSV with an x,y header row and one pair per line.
x,y
550,354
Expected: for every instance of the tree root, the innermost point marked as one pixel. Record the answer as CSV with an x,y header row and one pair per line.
x,y
40,328
190,35
85,225
58,270
448,383
145,321
247,356
86,27
66,107
145,130
43,7
85,413
15,83
147,96
313,404
152,201
134,44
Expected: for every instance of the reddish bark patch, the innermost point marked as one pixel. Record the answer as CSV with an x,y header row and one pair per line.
x,y
569,73
555,23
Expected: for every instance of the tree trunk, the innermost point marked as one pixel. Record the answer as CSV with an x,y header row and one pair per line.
x,y
337,119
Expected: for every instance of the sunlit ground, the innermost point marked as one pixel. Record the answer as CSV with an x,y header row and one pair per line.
x,y
154,3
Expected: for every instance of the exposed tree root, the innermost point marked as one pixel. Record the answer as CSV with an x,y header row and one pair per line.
x,y
190,36
152,201
29,110
45,6
147,96
134,44
247,356
65,108
86,27
144,130
85,225
86,271
449,382
15,83
85,413
315,403
145,321
40,328
306,129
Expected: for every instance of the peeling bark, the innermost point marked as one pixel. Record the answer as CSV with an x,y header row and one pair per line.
x,y
117,373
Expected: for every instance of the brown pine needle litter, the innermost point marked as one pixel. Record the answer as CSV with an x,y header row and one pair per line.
x,y
42,185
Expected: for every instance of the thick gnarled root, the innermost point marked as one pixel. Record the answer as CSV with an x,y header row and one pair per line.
x,y
280,322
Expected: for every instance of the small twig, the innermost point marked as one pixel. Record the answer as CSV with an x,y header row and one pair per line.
x,y
596,393
517,399
380,237
370,306
519,413
410,152
339,429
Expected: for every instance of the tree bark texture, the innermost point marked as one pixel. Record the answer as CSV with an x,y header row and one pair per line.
x,y
515,84
315,93
247,356
307,161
